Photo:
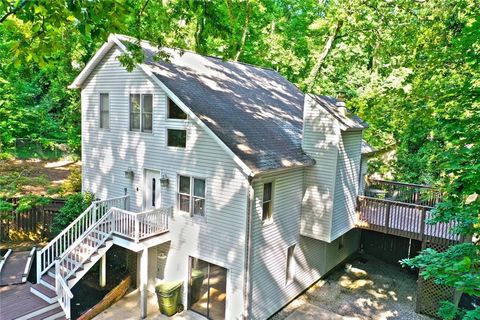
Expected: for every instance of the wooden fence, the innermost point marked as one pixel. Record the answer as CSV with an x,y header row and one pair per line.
x,y
33,224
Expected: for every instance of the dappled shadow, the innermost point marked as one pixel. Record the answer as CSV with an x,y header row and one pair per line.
x,y
369,289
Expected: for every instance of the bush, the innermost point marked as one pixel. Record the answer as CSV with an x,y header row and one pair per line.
x,y
74,206
74,181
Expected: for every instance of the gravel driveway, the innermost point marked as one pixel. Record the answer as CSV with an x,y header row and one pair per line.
x,y
366,288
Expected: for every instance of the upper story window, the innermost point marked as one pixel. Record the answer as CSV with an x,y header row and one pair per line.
x,y
104,111
174,112
176,138
267,202
191,195
141,109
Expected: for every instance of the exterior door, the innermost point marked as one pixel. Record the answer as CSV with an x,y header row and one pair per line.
x,y
207,289
151,197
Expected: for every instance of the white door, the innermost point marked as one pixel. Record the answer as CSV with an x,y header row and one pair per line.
x,y
151,196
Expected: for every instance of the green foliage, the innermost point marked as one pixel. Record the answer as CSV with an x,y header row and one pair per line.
x,y
29,201
74,206
409,68
74,182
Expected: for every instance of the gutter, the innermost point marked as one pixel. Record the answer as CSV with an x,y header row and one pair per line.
x,y
248,248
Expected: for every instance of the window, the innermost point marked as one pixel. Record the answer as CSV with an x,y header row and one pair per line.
x,y
176,138
290,264
174,112
267,202
191,195
104,111
141,110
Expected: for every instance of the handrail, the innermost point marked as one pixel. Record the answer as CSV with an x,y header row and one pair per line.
x,y
85,235
405,204
74,222
63,292
401,183
56,248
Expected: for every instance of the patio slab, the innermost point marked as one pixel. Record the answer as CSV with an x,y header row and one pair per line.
x,y
128,308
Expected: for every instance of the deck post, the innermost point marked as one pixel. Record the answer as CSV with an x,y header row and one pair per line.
x,y
387,217
143,282
422,223
103,271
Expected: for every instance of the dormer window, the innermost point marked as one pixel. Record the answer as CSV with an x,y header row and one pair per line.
x,y
174,112
141,111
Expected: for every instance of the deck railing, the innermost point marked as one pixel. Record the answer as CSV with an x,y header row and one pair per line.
x,y
402,219
55,248
134,225
403,192
139,226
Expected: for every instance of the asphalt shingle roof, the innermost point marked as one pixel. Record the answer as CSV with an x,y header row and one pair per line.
x,y
256,112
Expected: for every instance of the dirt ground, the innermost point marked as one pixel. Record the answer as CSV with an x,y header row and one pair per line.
x,y
366,288
35,176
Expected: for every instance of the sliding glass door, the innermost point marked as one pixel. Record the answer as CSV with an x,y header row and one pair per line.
x,y
207,290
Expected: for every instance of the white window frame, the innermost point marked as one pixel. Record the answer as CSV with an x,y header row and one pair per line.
x,y
100,111
167,111
141,129
175,147
191,195
269,219
290,266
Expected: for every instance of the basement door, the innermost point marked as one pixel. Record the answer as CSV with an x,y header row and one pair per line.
x,y
207,289
151,196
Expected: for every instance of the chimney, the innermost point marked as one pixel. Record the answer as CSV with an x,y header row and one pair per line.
x,y
341,104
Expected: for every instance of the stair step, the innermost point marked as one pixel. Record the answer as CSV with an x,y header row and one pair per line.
x,y
43,292
49,281
56,313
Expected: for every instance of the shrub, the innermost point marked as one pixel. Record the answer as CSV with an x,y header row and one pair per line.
x,y
74,181
74,206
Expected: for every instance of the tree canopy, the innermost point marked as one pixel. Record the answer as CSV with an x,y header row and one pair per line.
x,y
409,68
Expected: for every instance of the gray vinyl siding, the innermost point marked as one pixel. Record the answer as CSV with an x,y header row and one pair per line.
x,y
320,139
270,241
106,154
346,184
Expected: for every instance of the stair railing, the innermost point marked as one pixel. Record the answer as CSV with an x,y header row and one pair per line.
x,y
76,255
63,293
55,248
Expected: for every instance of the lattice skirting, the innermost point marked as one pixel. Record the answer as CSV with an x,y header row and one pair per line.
x,y
430,294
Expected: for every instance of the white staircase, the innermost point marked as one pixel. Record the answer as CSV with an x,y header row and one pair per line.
x,y
66,259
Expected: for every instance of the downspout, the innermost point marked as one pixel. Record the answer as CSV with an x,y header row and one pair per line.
x,y
248,248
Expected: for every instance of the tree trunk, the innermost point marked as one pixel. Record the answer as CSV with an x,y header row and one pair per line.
x,y
321,58
245,31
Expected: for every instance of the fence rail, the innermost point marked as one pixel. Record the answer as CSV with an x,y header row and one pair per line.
x,y
403,219
403,192
34,223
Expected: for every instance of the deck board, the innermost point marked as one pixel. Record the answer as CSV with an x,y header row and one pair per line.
x,y
17,300
12,271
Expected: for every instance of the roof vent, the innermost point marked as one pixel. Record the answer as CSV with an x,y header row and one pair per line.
x,y
341,105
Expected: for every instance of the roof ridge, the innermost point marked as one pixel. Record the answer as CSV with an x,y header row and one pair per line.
x,y
130,38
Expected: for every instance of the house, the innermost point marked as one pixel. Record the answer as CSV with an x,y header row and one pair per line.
x,y
212,170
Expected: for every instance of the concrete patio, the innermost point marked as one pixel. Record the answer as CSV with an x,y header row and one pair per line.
x,y
128,308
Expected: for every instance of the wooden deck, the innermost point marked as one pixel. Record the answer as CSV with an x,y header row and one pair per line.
x,y
12,272
17,300
403,219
